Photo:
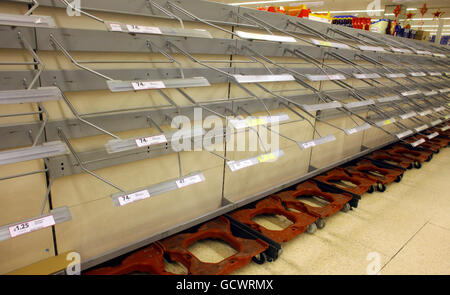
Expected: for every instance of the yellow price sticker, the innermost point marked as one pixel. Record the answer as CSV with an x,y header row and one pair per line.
x,y
266,157
387,122
326,43
446,117
256,122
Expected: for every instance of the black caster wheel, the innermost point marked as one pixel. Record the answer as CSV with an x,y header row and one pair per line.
x,y
399,178
429,158
320,223
312,228
381,187
346,208
410,166
259,259
417,165
371,190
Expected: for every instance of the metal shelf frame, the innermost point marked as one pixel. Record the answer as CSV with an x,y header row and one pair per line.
x,y
333,43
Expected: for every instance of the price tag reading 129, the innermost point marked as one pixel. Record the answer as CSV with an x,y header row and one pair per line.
x,y
29,226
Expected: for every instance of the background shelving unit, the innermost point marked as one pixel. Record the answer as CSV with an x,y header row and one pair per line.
x,y
87,115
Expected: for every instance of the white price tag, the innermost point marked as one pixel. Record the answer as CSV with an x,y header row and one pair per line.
x,y
439,55
366,76
404,134
445,128
421,128
430,93
400,50
188,181
439,109
125,200
146,141
143,29
425,113
371,48
115,27
396,75
437,122
148,85
419,142
418,74
408,115
432,135
434,74
412,92
29,226
240,165
308,144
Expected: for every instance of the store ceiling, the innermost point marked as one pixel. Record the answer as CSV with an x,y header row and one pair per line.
x,y
343,6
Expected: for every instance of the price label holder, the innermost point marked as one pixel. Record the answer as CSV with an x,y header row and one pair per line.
x,y
408,115
265,37
148,85
315,78
371,48
396,75
432,135
388,99
386,122
445,128
322,106
189,181
330,44
357,129
430,93
131,198
245,163
425,113
263,78
152,140
159,188
439,109
358,104
366,76
418,142
418,74
411,93
404,134
437,122
401,50
313,143
32,225
421,128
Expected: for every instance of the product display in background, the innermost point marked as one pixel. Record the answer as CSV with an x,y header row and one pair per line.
x,y
299,11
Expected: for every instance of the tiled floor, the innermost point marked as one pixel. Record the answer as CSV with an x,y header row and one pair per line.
x,y
405,230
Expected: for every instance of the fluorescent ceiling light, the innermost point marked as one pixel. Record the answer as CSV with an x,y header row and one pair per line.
x,y
48,149
120,86
29,96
